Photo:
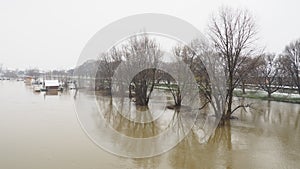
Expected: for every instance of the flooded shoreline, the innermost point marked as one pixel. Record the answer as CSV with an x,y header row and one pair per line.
x,y
42,131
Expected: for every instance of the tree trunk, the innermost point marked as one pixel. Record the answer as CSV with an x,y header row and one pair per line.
x,y
229,106
230,96
178,99
141,93
130,92
243,87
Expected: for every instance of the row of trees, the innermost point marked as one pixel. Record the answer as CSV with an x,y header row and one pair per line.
x,y
232,36
139,53
34,72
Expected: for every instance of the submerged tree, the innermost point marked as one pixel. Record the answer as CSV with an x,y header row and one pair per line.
x,y
144,52
131,66
233,33
143,84
268,74
190,55
138,71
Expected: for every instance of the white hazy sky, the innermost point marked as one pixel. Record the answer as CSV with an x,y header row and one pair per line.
x,y
51,34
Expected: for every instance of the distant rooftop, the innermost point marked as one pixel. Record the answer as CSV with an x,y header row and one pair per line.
x,y
51,83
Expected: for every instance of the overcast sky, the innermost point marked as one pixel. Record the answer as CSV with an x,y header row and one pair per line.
x,y
51,34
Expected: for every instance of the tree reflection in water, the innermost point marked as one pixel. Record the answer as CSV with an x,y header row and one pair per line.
x,y
183,156
268,132
126,126
190,154
176,121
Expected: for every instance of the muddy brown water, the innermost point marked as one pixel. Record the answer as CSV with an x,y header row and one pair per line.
x,y
42,131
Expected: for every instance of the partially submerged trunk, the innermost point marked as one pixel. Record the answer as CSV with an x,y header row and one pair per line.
x,y
141,93
144,83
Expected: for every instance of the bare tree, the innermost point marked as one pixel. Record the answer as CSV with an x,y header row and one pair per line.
x,y
144,49
107,64
141,55
186,54
246,71
190,55
233,33
207,68
290,62
268,74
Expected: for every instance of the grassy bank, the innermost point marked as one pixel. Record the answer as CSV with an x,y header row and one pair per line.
x,y
258,94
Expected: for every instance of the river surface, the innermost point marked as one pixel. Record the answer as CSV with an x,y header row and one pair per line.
x,y
40,131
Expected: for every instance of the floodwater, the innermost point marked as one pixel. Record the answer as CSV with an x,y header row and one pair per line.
x,y
42,131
